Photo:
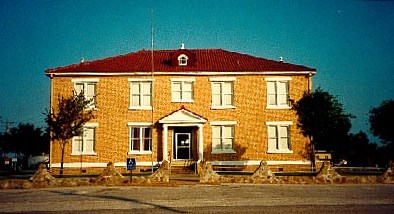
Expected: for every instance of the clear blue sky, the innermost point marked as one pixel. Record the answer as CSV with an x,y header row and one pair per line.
x,y
350,43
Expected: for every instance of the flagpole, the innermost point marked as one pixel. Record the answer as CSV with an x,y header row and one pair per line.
x,y
152,88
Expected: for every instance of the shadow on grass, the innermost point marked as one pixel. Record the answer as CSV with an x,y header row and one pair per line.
x,y
130,200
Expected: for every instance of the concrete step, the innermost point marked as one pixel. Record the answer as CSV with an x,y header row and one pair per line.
x,y
182,170
183,167
185,177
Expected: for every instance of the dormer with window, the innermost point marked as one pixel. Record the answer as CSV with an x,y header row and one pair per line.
x,y
182,60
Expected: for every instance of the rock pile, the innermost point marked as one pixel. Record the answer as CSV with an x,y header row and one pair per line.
x,y
110,176
162,174
42,175
388,176
328,174
207,175
263,174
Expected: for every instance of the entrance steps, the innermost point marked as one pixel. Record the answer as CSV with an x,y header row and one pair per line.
x,y
184,171
183,167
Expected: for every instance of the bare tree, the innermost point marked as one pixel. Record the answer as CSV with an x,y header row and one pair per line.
x,y
67,120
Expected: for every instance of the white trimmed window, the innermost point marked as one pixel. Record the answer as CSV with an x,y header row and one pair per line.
x,y
182,90
141,94
140,138
89,89
278,93
182,60
223,137
279,137
222,93
85,143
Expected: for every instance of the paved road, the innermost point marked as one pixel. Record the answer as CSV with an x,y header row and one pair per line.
x,y
234,198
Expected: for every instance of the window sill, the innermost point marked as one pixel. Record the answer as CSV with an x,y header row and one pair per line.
x,y
141,108
182,101
215,152
139,153
280,151
222,107
278,107
83,153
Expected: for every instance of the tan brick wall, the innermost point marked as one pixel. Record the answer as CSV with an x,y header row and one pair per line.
x,y
112,115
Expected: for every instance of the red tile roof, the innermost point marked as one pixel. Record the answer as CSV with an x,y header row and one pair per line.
x,y
206,60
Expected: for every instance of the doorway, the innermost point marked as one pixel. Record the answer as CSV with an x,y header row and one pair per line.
x,y
182,142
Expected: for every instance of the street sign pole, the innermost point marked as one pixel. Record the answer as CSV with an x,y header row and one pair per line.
x,y
131,176
131,165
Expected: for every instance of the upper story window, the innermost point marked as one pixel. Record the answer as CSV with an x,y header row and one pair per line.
x,y
182,89
222,92
85,143
89,89
141,94
140,138
278,92
279,137
223,137
182,60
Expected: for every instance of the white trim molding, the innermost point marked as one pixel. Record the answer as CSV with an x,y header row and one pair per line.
x,y
139,124
185,79
148,163
257,162
87,80
277,79
100,164
91,125
222,79
140,80
222,123
282,123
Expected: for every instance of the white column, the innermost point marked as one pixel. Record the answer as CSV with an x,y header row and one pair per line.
x,y
200,143
164,141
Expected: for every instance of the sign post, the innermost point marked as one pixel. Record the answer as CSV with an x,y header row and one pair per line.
x,y
131,165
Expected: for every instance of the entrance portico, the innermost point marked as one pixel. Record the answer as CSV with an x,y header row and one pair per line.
x,y
183,122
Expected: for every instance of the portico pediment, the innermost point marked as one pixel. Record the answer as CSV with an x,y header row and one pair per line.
x,y
182,116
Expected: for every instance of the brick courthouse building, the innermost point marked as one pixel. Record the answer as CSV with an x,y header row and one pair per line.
x,y
184,105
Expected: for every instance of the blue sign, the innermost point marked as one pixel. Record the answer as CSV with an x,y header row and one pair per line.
x,y
131,164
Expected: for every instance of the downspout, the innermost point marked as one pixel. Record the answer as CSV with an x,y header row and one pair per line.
x,y
51,111
313,159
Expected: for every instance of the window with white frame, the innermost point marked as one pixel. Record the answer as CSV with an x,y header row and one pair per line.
x,y
140,93
85,143
279,140
182,60
140,138
89,88
222,93
182,89
278,92
223,137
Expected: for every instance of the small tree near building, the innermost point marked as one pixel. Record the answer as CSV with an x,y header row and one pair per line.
x,y
68,119
381,120
381,124
322,119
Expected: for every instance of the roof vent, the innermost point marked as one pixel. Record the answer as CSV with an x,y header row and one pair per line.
x,y
182,45
281,59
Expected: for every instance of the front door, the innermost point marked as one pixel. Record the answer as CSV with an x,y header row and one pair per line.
x,y
182,144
